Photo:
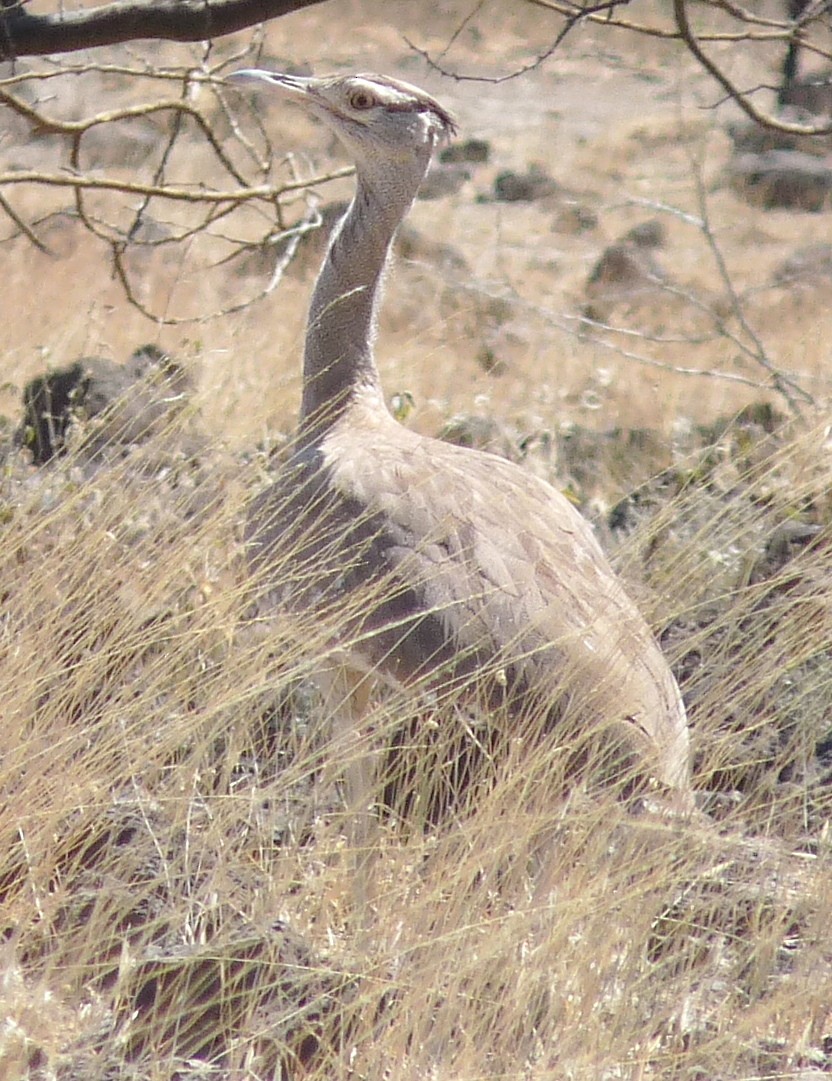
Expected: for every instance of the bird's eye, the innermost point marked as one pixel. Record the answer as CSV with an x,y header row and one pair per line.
x,y
362,99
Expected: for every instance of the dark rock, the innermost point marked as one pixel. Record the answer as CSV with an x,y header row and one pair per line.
x,y
812,95
472,151
48,404
192,1002
128,403
788,179
443,179
750,137
624,272
809,264
510,187
624,266
647,234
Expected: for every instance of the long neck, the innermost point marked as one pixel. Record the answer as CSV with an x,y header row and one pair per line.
x,y
338,357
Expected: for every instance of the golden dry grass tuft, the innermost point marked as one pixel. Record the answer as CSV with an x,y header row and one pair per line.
x,y
165,807
179,891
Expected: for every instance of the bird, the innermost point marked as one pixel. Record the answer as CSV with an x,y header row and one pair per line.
x,y
436,566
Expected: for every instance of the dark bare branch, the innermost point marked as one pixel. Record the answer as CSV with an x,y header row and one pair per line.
x,y
166,191
571,20
690,39
23,34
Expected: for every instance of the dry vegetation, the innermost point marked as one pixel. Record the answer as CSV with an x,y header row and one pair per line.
x,y
179,895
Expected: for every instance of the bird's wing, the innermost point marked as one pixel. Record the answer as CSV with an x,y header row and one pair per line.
x,y
512,569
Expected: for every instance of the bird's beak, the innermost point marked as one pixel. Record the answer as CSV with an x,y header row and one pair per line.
x,y
295,86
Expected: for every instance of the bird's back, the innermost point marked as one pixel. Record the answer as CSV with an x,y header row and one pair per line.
x,y
444,563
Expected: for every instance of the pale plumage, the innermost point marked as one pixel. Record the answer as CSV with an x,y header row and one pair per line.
x,y
445,564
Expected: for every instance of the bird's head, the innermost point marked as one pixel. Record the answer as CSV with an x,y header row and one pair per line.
x,y
377,118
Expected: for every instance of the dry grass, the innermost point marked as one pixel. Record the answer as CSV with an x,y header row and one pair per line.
x,y
178,885
166,794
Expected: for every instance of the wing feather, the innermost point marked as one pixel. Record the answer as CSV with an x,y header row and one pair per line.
x,y
495,566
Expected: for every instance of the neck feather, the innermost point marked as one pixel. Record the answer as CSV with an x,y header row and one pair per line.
x,y
338,357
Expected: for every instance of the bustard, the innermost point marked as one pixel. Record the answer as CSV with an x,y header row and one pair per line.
x,y
447,566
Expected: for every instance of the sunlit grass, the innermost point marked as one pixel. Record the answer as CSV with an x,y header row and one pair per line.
x,y
170,791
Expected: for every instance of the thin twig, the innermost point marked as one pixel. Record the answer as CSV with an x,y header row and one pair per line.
x,y
572,19
10,212
185,195
733,91
75,129
793,393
